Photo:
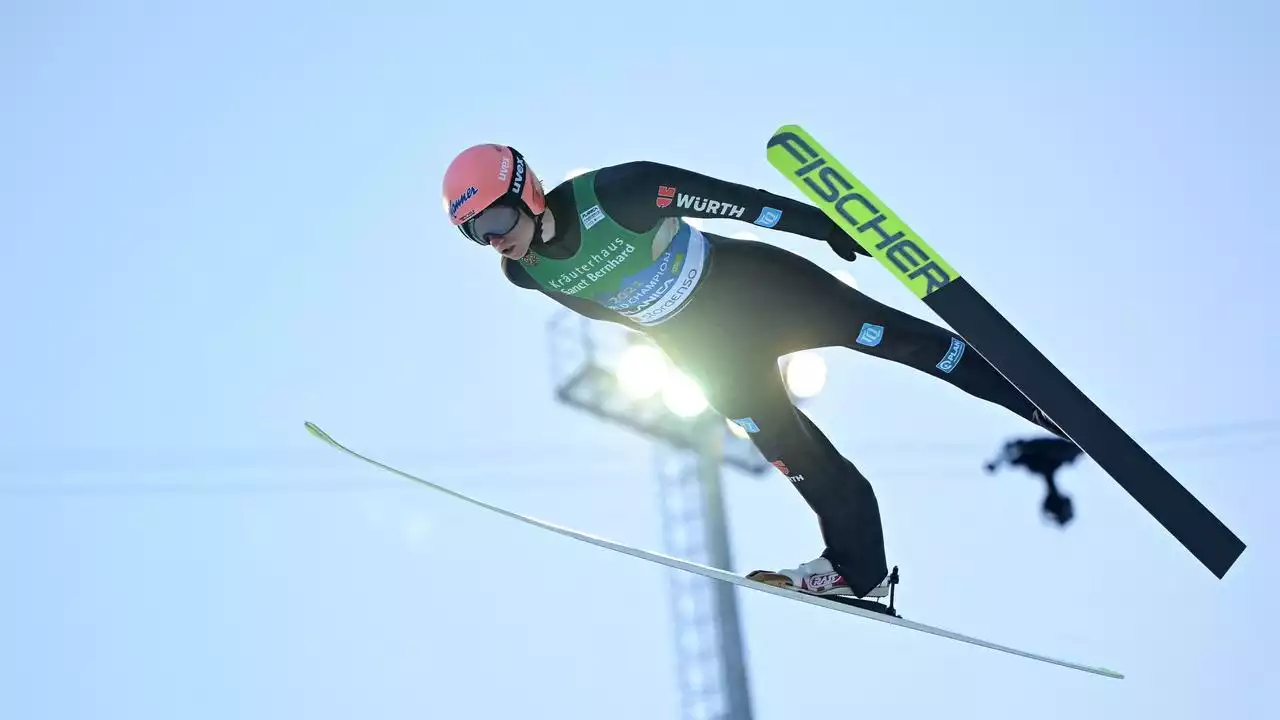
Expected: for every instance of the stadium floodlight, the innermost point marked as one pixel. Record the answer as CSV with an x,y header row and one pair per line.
x,y
642,371
682,396
805,373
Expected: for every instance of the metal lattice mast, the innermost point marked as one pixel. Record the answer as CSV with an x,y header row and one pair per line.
x,y
689,454
709,656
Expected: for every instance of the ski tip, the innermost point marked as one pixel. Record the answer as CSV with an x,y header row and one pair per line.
x,y
315,430
789,128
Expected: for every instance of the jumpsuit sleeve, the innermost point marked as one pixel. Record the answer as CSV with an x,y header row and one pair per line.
x,y
639,193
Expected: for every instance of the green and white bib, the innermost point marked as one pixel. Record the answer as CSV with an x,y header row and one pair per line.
x,y
647,277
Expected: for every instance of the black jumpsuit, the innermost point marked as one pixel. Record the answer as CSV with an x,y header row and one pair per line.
x,y
758,302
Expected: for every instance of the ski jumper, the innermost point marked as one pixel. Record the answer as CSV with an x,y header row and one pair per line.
x,y
725,310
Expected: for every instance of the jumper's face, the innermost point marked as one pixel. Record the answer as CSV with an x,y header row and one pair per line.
x,y
515,244
505,228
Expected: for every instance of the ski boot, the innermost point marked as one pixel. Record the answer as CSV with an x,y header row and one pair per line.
x,y
818,577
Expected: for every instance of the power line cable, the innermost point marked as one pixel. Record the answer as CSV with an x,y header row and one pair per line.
x,y
1181,439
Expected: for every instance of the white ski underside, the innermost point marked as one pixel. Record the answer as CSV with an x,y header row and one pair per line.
x,y
714,573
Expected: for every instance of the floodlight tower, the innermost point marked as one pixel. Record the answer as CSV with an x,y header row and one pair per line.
x,y
620,377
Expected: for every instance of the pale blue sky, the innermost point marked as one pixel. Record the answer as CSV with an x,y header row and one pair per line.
x,y
220,222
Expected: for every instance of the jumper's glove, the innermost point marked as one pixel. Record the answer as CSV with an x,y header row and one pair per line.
x,y
844,245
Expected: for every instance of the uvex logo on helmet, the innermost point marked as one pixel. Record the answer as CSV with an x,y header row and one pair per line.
x,y
517,182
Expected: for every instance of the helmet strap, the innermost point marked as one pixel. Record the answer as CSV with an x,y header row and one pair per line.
x,y
537,227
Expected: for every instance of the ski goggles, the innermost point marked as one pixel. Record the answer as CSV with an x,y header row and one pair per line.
x,y
493,221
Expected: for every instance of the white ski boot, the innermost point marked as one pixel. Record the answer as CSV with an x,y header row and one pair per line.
x,y
816,577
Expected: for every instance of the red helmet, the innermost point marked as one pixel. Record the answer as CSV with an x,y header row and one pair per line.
x,y
488,174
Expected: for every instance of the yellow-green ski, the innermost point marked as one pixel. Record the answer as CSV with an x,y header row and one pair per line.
x,y
851,205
